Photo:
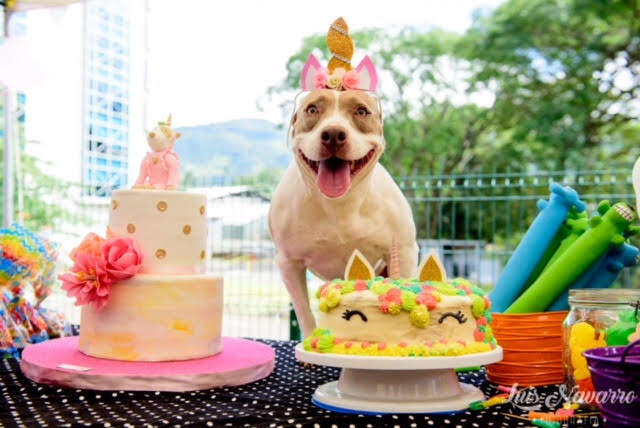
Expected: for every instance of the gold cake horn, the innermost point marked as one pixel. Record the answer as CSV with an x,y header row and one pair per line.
x,y
341,45
394,260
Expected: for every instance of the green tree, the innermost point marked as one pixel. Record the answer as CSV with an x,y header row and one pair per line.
x,y
566,76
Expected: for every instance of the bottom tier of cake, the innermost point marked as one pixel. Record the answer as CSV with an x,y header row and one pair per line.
x,y
156,318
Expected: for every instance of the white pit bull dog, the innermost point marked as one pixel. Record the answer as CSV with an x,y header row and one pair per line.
x,y
335,197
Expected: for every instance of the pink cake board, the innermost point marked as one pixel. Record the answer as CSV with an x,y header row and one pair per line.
x,y
240,362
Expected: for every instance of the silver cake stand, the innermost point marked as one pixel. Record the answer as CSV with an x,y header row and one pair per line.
x,y
378,385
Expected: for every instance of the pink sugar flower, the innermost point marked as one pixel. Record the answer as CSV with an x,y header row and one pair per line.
x,y
88,281
123,257
351,80
91,244
321,79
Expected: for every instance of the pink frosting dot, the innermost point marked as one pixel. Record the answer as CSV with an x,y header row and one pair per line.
x,y
365,345
382,346
348,345
402,344
360,285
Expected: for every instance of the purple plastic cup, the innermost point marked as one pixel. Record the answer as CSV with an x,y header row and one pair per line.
x,y
615,372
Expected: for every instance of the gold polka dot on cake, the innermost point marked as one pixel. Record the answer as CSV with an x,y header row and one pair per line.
x,y
131,228
162,206
160,253
202,254
201,209
114,203
186,229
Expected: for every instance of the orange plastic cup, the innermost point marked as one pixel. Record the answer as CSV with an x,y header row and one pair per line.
x,y
532,347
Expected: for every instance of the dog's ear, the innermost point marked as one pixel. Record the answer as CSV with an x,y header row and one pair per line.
x,y
311,68
358,268
431,269
368,74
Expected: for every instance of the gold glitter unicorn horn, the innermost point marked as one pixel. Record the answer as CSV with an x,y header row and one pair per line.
x,y
341,45
394,260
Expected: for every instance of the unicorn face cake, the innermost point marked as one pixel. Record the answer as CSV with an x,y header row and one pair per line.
x,y
427,316
143,290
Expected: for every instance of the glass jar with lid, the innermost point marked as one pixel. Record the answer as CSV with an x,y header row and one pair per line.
x,y
597,318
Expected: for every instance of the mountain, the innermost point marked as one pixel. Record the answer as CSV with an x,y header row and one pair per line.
x,y
235,148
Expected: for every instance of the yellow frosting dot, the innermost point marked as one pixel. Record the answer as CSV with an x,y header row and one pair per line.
x,y
131,228
202,254
202,209
186,229
162,206
160,253
115,204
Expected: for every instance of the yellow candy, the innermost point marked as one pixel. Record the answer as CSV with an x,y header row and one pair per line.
x,y
582,334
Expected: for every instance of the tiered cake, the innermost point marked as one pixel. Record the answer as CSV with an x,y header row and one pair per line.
x,y
143,289
170,310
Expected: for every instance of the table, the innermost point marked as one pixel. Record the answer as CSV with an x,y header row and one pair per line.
x,y
282,399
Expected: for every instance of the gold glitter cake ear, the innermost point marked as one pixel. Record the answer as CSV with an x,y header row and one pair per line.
x,y
431,269
341,46
358,268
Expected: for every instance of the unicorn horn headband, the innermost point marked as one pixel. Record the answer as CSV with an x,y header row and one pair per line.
x,y
339,74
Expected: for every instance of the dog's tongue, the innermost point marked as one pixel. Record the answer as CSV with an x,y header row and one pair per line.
x,y
334,177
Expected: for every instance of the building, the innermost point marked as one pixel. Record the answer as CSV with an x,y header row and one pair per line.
x,y
106,96
92,108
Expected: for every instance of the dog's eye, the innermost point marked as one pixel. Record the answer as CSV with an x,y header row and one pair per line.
x,y
362,111
312,109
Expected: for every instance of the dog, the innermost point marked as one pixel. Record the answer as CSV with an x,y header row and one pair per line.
x,y
335,197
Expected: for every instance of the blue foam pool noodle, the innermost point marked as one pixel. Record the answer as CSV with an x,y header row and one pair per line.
x,y
534,244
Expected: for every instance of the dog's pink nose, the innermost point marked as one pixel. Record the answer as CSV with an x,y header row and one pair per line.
x,y
333,138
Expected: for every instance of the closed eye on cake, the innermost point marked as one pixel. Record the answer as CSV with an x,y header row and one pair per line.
x,y
349,313
457,315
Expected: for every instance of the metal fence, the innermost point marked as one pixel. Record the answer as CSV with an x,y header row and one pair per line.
x,y
474,221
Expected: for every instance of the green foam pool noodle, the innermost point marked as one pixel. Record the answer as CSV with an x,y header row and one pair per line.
x,y
607,229
577,224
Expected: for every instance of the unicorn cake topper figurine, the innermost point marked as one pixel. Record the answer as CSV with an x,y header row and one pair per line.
x,y
160,168
339,74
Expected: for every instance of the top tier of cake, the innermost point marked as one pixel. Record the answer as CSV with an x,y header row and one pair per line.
x,y
170,226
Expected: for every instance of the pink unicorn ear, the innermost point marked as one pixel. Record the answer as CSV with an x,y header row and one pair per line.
x,y
309,72
368,74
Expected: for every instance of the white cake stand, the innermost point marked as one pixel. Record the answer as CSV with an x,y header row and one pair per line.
x,y
377,385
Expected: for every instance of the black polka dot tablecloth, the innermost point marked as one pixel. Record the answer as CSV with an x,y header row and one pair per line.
x,y
282,399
